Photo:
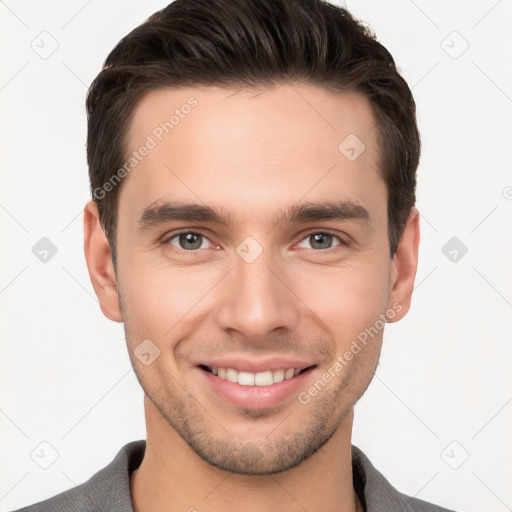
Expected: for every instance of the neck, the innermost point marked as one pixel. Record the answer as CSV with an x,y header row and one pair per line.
x,y
172,477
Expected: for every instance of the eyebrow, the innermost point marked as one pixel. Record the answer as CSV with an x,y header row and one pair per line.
x,y
157,214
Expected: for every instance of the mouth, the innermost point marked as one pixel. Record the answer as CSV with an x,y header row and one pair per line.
x,y
259,390
262,378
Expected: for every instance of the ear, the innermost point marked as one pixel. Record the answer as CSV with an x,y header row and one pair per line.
x,y
403,268
99,264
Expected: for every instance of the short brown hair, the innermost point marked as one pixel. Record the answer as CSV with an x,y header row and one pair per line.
x,y
233,43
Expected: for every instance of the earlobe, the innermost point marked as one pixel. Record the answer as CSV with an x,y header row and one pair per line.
x,y
99,263
403,268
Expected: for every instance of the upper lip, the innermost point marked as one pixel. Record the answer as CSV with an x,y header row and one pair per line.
x,y
257,365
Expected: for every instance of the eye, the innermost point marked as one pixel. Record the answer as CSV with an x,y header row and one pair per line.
x,y
187,241
191,241
323,240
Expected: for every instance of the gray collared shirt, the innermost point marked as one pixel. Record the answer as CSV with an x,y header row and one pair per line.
x,y
109,489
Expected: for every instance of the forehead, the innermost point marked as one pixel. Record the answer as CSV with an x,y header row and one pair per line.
x,y
252,148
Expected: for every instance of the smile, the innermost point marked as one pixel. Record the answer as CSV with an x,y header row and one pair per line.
x,y
260,389
264,378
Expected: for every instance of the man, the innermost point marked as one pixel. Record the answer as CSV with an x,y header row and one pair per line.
x,y
253,171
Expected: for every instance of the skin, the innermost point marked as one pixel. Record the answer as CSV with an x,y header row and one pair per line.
x,y
251,153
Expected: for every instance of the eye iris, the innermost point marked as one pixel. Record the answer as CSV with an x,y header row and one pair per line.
x,y
190,238
193,241
320,238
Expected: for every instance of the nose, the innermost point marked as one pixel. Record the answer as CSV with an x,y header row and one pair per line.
x,y
257,299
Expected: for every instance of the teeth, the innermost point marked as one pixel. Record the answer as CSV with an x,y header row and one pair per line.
x,y
266,378
231,375
245,378
288,374
278,376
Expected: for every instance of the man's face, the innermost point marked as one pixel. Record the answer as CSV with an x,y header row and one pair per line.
x,y
263,292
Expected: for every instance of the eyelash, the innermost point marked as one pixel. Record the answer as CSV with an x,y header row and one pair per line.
x,y
167,238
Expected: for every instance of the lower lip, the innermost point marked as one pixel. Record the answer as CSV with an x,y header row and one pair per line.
x,y
256,397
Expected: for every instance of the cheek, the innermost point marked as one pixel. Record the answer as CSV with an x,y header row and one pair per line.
x,y
347,299
158,298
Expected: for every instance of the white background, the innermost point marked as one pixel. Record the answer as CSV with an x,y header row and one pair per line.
x,y
445,371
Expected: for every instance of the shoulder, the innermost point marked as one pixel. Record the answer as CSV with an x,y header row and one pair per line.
x,y
108,490
378,494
